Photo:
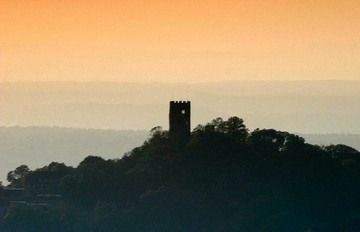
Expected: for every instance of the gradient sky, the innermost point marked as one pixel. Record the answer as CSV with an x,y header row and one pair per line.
x,y
179,40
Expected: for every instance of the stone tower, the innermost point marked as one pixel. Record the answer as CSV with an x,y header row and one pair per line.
x,y
179,120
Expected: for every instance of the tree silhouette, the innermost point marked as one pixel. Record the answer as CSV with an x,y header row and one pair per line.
x,y
223,179
17,176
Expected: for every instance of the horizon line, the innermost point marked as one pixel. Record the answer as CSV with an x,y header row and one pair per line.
x,y
148,130
174,82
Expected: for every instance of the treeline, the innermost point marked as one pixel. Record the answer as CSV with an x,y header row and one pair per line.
x,y
224,178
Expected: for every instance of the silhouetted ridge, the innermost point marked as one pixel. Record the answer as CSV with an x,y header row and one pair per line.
x,y
224,178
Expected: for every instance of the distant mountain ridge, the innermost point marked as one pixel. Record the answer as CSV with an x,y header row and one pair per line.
x,y
37,146
302,106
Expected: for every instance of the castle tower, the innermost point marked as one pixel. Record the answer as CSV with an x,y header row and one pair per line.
x,y
179,120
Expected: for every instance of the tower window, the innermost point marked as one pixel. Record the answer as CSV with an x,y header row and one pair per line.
x,y
182,111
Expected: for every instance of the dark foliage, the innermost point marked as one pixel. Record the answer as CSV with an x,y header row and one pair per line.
x,y
223,179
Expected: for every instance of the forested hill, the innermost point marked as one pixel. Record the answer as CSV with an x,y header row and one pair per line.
x,y
38,146
224,178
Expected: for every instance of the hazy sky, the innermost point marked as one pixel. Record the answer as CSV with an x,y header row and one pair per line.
x,y
179,40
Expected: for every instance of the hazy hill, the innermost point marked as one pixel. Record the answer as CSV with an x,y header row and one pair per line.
x,y
352,140
301,106
37,146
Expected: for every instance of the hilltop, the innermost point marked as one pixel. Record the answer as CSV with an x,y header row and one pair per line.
x,y
224,178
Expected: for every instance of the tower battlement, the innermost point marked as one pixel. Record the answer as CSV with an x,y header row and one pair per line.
x,y
179,102
179,120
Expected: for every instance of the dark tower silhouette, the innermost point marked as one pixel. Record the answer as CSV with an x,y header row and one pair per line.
x,y
179,120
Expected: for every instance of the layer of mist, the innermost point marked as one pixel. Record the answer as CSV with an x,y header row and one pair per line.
x,y
301,106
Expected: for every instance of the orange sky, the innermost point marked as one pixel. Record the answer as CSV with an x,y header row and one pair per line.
x,y
179,40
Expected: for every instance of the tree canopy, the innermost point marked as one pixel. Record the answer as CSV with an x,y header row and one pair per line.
x,y
224,179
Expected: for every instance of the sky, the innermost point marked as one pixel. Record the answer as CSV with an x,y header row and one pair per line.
x,y
179,40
